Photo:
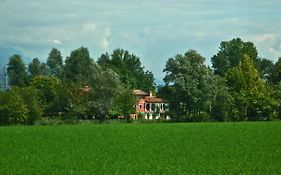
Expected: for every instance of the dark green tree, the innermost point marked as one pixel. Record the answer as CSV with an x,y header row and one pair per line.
x,y
275,76
231,53
16,71
79,67
45,70
223,108
55,62
128,67
34,68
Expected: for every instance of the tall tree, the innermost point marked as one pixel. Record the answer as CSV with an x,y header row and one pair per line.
x,y
253,97
129,68
105,89
16,71
230,54
55,62
34,68
79,67
191,84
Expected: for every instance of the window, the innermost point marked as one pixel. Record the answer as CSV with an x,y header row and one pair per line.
x,y
153,107
140,106
147,106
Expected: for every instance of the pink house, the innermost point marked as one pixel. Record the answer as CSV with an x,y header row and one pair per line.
x,y
149,107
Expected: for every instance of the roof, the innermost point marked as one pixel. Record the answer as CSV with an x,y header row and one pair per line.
x,y
85,89
140,93
152,99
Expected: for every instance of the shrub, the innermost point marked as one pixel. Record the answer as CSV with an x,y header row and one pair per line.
x,y
12,108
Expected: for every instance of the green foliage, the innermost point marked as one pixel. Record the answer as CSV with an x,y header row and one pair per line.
x,y
45,70
34,68
105,88
239,92
30,97
47,88
222,108
193,148
275,76
16,71
79,67
128,67
12,108
264,66
123,103
277,96
191,84
55,63
252,96
230,54
62,102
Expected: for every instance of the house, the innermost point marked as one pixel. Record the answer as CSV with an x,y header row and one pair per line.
x,y
149,107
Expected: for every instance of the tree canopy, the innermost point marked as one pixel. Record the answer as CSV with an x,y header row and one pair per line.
x,y
55,62
34,68
16,71
129,68
191,83
79,66
230,54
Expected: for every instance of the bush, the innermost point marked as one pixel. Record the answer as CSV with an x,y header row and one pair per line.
x,y
12,108
31,99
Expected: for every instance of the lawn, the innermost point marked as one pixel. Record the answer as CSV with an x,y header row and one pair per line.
x,y
187,148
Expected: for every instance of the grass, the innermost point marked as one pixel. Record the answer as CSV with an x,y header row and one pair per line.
x,y
194,148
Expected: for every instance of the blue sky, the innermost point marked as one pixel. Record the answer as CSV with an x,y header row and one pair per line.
x,y
155,30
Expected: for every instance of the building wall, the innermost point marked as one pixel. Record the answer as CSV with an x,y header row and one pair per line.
x,y
140,107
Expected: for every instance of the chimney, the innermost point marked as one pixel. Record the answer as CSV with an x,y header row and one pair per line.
x,y
150,93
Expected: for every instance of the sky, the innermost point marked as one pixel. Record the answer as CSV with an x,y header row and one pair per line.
x,y
154,30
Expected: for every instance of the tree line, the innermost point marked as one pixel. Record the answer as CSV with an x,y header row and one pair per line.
x,y
240,86
55,89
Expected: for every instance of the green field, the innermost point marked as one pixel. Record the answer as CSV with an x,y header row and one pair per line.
x,y
190,148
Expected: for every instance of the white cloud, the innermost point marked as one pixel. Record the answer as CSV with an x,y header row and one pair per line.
x,y
105,39
56,41
89,27
268,37
268,45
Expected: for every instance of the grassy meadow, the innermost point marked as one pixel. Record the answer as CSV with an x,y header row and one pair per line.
x,y
185,148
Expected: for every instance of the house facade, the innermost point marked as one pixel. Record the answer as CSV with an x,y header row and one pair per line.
x,y
149,107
